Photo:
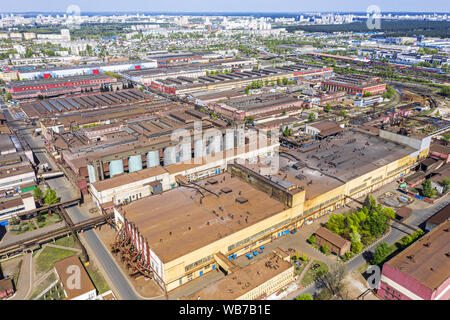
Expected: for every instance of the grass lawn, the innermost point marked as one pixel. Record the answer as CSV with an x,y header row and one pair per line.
x,y
97,278
299,270
49,256
43,285
55,293
17,273
67,241
23,227
310,275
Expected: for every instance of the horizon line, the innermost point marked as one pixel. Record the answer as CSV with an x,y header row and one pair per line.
x,y
225,12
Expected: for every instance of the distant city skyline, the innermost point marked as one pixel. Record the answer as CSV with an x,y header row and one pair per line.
x,y
229,6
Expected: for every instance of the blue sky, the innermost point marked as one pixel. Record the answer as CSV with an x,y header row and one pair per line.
x,y
225,5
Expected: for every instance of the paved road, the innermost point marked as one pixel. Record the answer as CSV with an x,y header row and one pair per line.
x,y
398,231
25,278
121,285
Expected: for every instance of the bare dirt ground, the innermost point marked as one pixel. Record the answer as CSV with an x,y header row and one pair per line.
x,y
356,285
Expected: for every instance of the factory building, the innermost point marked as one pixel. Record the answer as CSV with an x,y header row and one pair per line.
x,y
183,57
188,86
115,67
11,207
253,282
146,76
80,102
128,187
238,211
256,105
356,85
421,271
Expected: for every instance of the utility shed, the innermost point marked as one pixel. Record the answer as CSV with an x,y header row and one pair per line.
x,y
335,243
403,213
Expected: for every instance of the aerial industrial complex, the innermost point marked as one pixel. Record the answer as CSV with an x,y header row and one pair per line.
x,y
217,158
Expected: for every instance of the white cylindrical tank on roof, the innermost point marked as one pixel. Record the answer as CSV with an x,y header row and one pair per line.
x,y
115,167
135,163
170,156
152,159
91,172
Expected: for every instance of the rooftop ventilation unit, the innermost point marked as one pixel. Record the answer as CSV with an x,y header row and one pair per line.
x,y
226,190
212,181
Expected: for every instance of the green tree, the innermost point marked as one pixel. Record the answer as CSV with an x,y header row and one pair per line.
x,y
305,296
377,223
50,197
336,223
327,108
312,117
370,202
428,190
8,96
382,250
38,194
388,212
446,183
324,248
356,247
312,239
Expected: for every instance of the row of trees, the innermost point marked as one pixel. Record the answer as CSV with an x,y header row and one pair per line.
x,y
383,250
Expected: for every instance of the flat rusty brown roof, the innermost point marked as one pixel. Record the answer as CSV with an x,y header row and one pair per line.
x,y
243,280
175,223
426,259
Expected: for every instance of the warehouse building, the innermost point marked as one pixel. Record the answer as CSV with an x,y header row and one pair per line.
x,y
49,87
186,86
231,214
356,85
128,187
255,281
146,76
77,103
334,242
79,70
438,218
183,57
10,207
421,271
256,105
223,215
